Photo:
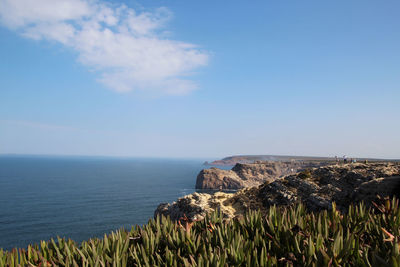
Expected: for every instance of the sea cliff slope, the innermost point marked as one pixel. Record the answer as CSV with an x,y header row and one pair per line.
x,y
244,175
316,187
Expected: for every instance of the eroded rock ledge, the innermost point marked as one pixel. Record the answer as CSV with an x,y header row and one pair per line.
x,y
245,175
317,188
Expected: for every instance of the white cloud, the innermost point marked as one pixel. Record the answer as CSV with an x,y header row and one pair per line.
x,y
124,46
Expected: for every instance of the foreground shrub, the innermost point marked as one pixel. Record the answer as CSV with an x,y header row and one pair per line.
x,y
284,237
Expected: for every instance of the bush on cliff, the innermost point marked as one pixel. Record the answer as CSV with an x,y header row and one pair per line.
x,y
306,174
285,236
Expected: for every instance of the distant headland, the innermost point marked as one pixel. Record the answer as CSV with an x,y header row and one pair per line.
x,y
232,160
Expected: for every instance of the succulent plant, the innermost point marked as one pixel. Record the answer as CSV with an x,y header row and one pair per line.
x,y
285,236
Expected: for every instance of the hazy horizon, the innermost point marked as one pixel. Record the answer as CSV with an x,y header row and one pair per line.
x,y
205,158
199,79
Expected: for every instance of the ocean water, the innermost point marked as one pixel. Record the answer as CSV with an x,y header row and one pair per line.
x,y
83,197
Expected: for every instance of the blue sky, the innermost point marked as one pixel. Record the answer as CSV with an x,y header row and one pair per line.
x,y
200,78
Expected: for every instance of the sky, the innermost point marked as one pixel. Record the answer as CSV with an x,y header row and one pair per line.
x,y
200,79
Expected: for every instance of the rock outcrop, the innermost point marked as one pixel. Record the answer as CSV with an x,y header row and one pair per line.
x,y
250,174
317,188
196,205
214,178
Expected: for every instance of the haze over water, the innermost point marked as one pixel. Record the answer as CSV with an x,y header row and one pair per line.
x,y
83,197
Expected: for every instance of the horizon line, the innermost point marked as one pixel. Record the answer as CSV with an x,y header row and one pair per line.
x,y
190,157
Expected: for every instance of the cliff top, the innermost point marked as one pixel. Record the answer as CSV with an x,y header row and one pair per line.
x,y
232,160
317,188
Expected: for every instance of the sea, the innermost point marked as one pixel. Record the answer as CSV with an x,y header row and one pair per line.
x,y
42,197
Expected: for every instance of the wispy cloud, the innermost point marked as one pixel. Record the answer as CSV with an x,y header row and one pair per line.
x,y
127,48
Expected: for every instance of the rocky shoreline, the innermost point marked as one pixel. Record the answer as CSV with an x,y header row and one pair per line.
x,y
316,187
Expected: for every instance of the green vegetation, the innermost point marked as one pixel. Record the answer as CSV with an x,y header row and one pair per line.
x,y
284,237
306,174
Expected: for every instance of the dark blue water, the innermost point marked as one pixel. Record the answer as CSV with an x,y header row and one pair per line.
x,y
83,197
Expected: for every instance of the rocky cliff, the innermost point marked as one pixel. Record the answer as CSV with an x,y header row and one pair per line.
x,y
250,174
317,188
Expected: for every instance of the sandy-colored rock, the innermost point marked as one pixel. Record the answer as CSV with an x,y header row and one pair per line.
x,y
216,178
250,174
196,206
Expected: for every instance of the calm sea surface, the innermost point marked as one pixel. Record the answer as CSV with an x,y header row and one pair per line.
x,y
83,197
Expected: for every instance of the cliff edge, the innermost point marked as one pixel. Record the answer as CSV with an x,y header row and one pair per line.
x,y
250,174
317,188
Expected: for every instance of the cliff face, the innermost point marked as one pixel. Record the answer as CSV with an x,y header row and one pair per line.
x,y
317,188
215,178
345,184
249,174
